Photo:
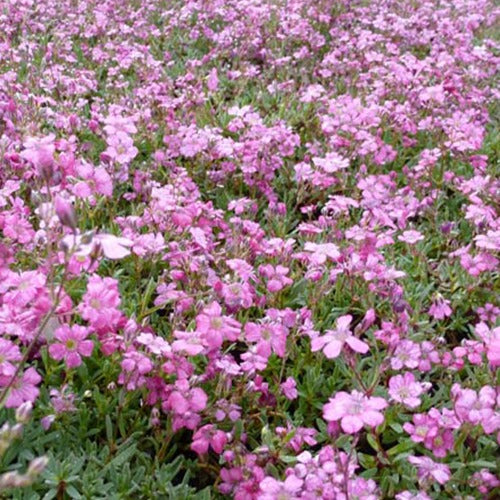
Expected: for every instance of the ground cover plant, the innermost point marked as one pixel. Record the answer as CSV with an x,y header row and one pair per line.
x,y
249,249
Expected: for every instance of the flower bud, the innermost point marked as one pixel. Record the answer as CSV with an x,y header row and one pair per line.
x,y
23,413
65,212
37,465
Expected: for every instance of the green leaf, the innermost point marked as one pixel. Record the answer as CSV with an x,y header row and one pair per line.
x,y
401,448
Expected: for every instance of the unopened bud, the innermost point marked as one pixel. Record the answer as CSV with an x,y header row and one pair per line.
x,y
65,212
37,465
16,431
23,413
10,480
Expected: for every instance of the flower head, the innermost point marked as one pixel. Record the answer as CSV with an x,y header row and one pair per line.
x,y
354,410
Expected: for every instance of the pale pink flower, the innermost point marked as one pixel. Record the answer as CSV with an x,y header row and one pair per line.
x,y
407,354
408,495
429,471
113,247
354,410
411,237
321,252
333,341
406,390
23,389
121,148
215,327
272,489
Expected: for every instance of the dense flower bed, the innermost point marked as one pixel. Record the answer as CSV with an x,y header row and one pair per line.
x,y
249,249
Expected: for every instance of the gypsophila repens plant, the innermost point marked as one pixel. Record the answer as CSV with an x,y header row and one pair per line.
x,y
249,249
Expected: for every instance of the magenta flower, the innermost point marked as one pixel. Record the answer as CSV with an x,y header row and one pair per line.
x,y
333,341
354,410
208,436
72,345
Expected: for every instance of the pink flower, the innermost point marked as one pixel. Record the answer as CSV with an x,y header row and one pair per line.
x,y
407,354
212,80
411,237
100,303
72,345
473,407
214,327
65,212
406,390
95,181
429,471
434,429
185,403
8,352
272,489
208,436
354,410
491,338
289,388
23,389
277,279
121,148
40,152
321,252
270,337
18,229
333,341
440,309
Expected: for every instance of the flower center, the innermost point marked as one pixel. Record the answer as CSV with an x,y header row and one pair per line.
x,y
95,303
216,323
70,344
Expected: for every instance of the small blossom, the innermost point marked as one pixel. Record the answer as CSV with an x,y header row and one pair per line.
x,y
354,410
429,471
333,341
406,390
289,388
72,345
